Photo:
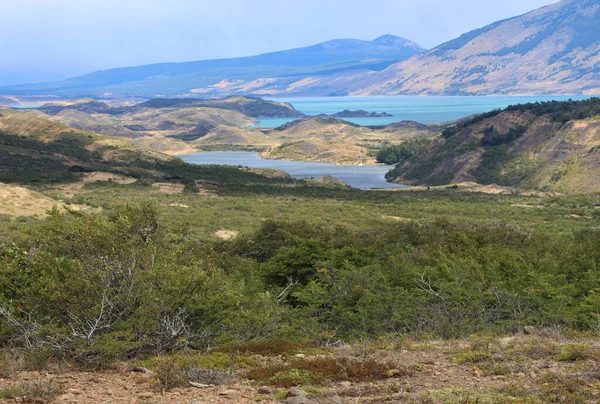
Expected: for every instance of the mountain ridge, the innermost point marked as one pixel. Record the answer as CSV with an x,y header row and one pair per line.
x,y
176,79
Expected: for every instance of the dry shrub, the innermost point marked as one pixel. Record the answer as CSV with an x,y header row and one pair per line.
x,y
536,349
170,374
574,353
32,391
209,376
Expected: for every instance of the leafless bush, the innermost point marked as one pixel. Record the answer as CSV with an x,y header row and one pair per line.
x,y
209,376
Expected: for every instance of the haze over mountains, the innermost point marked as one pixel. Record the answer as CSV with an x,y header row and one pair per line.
x,y
552,50
216,77
555,49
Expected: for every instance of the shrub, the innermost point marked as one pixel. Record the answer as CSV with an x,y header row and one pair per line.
x,y
170,374
573,353
473,357
32,390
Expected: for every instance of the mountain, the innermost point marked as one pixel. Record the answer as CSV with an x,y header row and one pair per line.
x,y
215,77
552,50
553,146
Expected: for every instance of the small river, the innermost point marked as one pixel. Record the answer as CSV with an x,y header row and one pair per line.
x,y
367,177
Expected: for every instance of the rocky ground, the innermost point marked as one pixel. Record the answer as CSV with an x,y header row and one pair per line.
x,y
538,367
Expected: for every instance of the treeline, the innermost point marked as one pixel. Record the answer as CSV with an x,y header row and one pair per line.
x,y
562,111
559,111
97,287
397,153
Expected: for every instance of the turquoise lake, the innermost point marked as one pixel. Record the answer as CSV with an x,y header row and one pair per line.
x,y
367,177
422,109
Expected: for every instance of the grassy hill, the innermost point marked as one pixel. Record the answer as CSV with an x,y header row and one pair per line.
x,y
548,146
34,150
165,125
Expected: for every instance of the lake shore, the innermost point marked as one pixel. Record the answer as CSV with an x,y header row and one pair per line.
x,y
363,177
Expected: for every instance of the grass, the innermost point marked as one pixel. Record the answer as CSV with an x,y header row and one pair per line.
x,y
242,208
29,391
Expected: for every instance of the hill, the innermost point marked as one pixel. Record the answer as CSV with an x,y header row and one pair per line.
x,y
36,150
249,106
182,126
334,140
231,76
552,50
551,146
164,125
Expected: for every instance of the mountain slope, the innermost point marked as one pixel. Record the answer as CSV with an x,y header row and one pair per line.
x,y
214,76
550,146
555,49
552,50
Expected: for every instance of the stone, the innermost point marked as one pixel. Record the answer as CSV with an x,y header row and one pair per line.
x,y
345,384
200,385
506,342
395,372
141,369
146,394
264,390
294,392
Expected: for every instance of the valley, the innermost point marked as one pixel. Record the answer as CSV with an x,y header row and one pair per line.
x,y
349,222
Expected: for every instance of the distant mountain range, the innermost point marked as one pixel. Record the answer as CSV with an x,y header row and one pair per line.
x,y
216,77
552,50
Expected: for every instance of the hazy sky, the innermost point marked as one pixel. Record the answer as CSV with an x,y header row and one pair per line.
x,y
43,40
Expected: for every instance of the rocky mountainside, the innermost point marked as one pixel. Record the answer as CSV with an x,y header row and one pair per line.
x,y
245,75
552,50
552,146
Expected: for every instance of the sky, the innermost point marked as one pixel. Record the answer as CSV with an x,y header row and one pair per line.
x,y
47,40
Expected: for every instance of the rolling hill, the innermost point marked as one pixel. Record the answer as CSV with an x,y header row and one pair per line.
x,y
37,151
552,146
224,76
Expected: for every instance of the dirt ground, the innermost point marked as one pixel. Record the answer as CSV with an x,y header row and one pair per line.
x,y
521,368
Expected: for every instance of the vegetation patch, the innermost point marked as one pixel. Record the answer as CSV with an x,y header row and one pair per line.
x,y
320,370
32,391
